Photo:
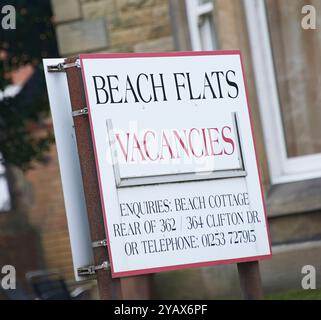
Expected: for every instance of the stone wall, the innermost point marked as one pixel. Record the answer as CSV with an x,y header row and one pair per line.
x,y
112,26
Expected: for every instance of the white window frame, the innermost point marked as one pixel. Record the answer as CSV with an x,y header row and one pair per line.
x,y
282,168
194,12
9,92
5,200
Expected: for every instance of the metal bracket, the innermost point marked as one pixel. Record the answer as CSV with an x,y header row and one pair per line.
x,y
61,67
91,270
80,112
99,243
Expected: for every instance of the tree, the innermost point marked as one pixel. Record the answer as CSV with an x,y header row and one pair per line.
x,y
32,40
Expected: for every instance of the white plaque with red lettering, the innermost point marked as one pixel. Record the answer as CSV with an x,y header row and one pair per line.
x,y
176,162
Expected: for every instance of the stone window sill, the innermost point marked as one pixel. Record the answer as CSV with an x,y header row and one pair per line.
x,y
294,197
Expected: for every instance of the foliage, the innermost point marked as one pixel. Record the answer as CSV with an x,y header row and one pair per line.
x,y
22,116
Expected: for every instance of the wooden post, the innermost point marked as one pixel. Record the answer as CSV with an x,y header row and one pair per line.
x,y
138,287
108,288
250,280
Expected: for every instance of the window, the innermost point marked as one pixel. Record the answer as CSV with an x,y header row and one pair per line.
x,y
287,70
4,190
200,24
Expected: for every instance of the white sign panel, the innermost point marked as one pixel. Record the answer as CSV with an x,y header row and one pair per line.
x,y
176,160
69,165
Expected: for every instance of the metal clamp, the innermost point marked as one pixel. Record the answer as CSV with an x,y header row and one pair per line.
x,y
99,243
91,270
80,112
61,67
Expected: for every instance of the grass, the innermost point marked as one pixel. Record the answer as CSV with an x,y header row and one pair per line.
x,y
296,295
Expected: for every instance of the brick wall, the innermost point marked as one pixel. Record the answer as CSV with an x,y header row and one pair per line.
x,y
48,215
20,244
23,251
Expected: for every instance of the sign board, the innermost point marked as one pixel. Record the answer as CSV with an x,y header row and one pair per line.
x,y
176,160
72,185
